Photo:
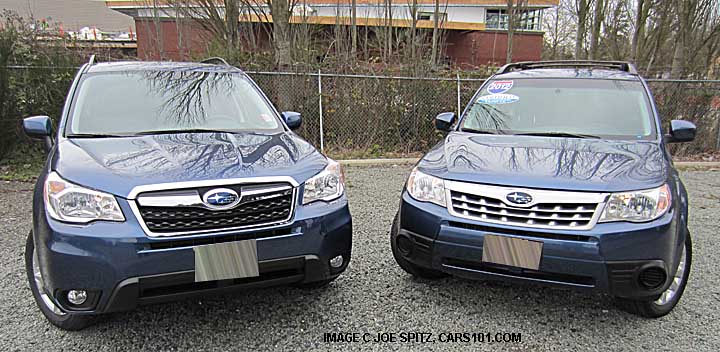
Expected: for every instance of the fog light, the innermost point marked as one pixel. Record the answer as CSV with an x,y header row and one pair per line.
x,y
77,297
336,262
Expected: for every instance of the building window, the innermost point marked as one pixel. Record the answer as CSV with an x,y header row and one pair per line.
x,y
530,20
424,16
498,19
428,16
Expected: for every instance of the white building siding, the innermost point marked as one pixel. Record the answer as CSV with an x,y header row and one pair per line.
x,y
472,14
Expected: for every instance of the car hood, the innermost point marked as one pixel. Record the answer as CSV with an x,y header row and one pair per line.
x,y
117,165
551,163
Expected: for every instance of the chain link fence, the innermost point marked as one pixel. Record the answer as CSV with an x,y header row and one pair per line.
x,y
353,116
367,116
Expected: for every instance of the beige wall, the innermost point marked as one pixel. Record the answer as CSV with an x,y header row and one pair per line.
x,y
73,14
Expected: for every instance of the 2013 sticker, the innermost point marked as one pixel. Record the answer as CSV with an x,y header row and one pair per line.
x,y
498,99
499,87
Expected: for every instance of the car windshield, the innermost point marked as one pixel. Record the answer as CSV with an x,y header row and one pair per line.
x,y
599,108
148,102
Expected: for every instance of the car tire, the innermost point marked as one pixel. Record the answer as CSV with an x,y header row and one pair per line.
x,y
409,267
59,318
667,300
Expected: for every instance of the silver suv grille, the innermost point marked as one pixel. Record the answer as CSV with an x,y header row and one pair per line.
x,y
178,212
548,209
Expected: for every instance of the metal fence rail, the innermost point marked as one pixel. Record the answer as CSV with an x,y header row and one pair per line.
x,y
372,116
375,115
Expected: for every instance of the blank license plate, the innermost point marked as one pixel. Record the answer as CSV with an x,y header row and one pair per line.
x,y
510,251
223,261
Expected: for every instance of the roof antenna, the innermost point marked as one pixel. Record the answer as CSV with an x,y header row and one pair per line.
x,y
92,60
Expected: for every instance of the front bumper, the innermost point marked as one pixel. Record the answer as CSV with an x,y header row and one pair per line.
x,y
125,268
611,258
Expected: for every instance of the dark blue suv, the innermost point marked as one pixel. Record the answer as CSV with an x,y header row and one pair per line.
x,y
165,180
556,173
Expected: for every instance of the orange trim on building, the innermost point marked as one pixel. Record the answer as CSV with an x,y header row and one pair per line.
x,y
502,3
373,22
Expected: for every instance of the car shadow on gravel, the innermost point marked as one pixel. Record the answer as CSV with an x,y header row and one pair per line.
x,y
254,311
532,304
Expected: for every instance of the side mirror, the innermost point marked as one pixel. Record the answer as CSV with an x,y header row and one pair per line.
x,y
39,127
444,121
292,119
681,131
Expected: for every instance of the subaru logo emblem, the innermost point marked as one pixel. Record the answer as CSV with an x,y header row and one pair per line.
x,y
221,198
519,198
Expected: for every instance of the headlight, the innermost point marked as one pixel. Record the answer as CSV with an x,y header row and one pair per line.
x,y
637,206
327,185
426,188
69,202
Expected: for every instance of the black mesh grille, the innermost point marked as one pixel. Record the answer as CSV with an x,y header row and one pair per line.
x,y
252,211
652,278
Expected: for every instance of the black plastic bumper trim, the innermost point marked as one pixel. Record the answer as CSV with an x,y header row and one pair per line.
x,y
525,233
133,292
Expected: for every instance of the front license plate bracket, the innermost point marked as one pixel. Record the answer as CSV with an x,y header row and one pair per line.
x,y
510,251
225,261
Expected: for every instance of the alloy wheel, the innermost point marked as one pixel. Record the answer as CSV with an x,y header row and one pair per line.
x,y
677,281
40,285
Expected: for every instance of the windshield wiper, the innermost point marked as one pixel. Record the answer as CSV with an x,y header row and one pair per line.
x,y
189,130
472,130
558,134
97,135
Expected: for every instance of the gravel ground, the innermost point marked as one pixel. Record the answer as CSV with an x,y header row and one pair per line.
x,y
375,296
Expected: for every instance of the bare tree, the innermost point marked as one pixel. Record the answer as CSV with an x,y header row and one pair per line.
x,y
582,9
696,27
232,22
516,14
641,14
598,18
435,35
559,30
413,29
510,30
353,30
280,10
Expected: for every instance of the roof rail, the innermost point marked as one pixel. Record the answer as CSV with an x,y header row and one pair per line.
x,y
215,61
529,65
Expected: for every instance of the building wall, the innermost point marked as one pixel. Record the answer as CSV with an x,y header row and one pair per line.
x,y
176,42
475,48
466,49
71,14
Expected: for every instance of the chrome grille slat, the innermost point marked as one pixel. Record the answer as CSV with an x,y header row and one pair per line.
x,y
549,209
535,208
554,216
261,205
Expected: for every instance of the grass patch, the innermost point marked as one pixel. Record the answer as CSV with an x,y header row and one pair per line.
x,y
369,153
22,164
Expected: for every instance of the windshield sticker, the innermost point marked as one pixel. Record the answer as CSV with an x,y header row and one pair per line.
x,y
498,99
498,87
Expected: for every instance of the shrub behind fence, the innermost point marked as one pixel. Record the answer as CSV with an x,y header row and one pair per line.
x,y
362,116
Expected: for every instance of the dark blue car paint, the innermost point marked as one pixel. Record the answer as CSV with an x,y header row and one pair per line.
x,y
549,163
572,164
101,255
127,162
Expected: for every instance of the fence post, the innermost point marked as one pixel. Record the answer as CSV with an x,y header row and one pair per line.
x,y
458,94
320,105
717,136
